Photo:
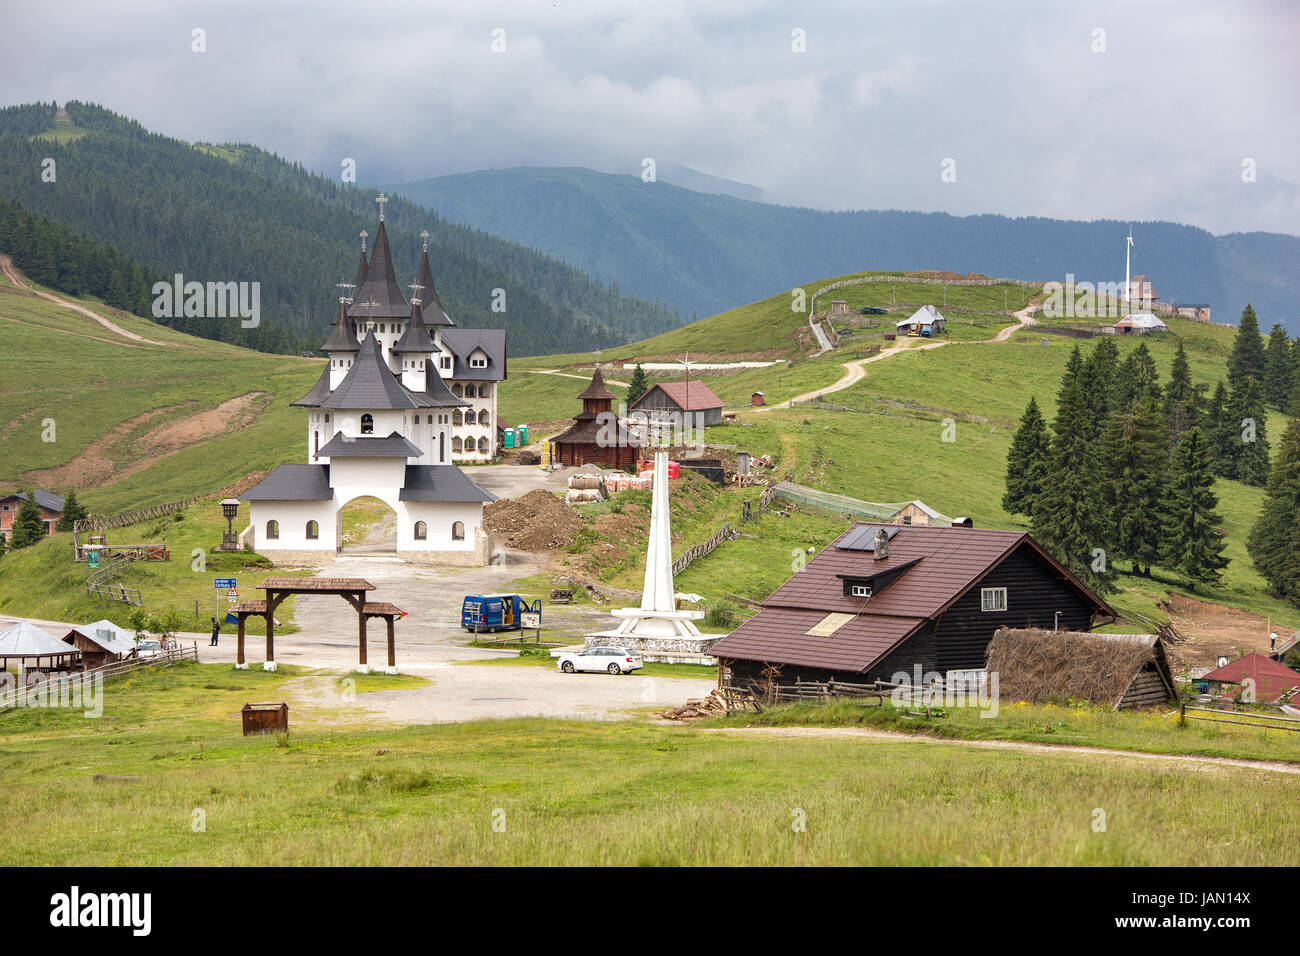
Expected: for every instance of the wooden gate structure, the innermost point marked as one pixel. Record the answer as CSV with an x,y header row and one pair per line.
x,y
352,590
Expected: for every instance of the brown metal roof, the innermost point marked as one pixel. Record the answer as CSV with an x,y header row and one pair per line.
x,y
936,566
597,388
700,396
381,609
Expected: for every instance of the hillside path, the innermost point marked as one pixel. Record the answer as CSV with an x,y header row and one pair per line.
x,y
1275,766
855,371
11,272
581,378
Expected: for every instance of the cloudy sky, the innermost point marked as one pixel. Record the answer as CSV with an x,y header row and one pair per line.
x,y
1182,110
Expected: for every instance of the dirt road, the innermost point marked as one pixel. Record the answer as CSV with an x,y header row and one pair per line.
x,y
855,371
11,272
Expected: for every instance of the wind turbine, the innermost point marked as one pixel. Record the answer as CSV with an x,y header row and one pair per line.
x,y
1128,249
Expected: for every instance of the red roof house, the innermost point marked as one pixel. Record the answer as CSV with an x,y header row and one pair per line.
x,y
1271,679
672,400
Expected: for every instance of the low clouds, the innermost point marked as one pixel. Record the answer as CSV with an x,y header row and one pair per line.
x,y
1035,118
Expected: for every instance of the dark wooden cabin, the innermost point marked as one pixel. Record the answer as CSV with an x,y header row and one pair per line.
x,y
884,599
596,437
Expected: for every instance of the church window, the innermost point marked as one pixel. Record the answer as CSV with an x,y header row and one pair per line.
x,y
313,531
317,450
446,362
421,531
442,446
430,419
367,424
470,392
484,418
272,530
456,417
381,328
327,416
458,531
458,391
483,445
484,391
455,445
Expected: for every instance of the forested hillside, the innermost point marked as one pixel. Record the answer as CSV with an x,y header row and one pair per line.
x,y
237,213
706,253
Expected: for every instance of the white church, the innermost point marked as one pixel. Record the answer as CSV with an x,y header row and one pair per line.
x,y
383,421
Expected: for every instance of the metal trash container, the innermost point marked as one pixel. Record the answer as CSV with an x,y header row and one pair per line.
x,y
266,718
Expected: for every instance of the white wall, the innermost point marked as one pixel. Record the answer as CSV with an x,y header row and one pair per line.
x,y
293,517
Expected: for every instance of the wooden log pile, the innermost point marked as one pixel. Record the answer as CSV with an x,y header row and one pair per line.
x,y
697,708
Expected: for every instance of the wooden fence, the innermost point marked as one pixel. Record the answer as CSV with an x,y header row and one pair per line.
x,y
1244,718
696,551
172,655
95,523
97,584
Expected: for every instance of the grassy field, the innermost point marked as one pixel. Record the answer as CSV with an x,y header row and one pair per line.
x,y
194,791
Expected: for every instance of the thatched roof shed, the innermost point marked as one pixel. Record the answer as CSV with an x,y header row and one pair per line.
x,y
1123,670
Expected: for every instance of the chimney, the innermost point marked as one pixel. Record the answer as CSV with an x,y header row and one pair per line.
x,y
882,545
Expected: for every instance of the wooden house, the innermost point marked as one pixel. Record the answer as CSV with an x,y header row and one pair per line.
x,y
51,506
596,437
102,642
883,599
678,403
1121,670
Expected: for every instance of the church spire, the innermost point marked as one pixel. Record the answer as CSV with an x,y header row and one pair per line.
x,y
380,285
431,305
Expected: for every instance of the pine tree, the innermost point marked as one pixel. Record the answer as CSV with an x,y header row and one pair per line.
x,y
1220,435
1097,375
1193,545
28,528
638,386
1247,357
3,543
1245,434
1136,451
1027,462
1137,376
1180,397
1068,517
1274,541
73,511
1279,369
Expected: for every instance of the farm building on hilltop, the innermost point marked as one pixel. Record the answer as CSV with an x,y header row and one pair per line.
x,y
883,599
51,506
678,403
1122,670
1139,323
919,513
596,437
1272,680
925,321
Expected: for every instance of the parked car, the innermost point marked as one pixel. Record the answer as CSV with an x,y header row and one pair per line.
x,y
491,612
148,649
614,660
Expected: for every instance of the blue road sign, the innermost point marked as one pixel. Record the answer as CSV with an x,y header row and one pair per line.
x,y
223,584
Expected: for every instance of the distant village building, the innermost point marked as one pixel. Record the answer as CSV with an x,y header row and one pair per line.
x,y
51,506
596,436
1270,680
381,423
1199,311
925,321
678,403
839,307
919,513
1139,323
757,399
1141,290
883,599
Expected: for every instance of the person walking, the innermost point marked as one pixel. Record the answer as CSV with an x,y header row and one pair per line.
x,y
216,629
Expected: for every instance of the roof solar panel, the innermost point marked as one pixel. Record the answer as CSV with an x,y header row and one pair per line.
x,y
864,537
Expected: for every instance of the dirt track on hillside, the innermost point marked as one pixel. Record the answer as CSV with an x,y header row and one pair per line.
x,y
16,277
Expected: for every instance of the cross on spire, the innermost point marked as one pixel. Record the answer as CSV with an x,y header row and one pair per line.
x,y
370,319
425,236
345,286
415,288
381,199
363,240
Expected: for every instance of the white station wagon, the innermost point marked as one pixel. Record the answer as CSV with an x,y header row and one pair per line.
x,y
614,660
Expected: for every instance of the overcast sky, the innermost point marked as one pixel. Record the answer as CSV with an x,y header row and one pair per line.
x,y
1041,112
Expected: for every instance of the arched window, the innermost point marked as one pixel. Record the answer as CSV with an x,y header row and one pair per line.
x,y
327,417
442,446
483,445
421,531
313,531
456,417
430,419
272,530
457,390
471,392
485,391
458,531
367,424
455,445
484,418
317,450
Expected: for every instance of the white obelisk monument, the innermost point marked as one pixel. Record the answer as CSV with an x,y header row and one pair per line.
x,y
657,618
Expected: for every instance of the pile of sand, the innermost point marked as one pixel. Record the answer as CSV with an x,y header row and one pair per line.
x,y
537,521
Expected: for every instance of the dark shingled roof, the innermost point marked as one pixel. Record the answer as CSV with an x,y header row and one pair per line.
x,y
369,446
415,337
343,338
935,566
380,285
46,499
319,392
370,383
462,342
362,268
436,393
434,313
441,483
597,388
293,483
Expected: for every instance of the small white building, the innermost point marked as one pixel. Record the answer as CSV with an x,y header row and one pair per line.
x,y
925,321
1140,323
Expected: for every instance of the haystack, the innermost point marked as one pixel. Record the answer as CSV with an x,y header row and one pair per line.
x,y
1122,670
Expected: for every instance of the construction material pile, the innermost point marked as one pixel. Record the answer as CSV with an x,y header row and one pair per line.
x,y
698,707
537,521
